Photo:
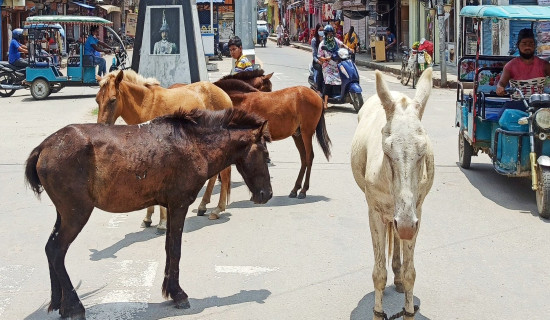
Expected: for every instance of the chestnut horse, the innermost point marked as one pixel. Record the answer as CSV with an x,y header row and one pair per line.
x,y
137,100
255,78
295,111
125,168
393,164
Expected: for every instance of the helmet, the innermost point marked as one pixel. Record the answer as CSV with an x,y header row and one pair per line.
x,y
17,34
328,29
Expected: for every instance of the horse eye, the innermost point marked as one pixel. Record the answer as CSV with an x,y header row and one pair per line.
x,y
112,99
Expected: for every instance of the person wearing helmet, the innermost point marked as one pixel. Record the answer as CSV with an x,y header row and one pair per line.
x,y
16,49
92,46
527,72
163,46
331,75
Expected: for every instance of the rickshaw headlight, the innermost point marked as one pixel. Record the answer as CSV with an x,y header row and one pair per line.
x,y
542,119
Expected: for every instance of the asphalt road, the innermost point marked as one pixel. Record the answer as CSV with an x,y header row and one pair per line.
x,y
482,251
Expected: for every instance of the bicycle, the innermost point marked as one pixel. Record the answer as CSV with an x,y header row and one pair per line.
x,y
405,71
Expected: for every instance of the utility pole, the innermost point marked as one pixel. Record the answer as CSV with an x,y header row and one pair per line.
x,y
442,62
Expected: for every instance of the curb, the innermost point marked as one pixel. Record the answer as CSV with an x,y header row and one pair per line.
x,y
376,66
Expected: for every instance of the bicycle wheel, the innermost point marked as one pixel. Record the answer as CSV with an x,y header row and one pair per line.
x,y
405,74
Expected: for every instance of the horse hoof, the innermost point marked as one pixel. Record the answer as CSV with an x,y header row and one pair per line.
x,y
146,224
399,287
213,216
293,194
183,304
302,195
201,212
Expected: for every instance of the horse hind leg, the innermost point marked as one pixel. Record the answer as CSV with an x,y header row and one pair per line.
x,y
161,227
307,139
396,262
147,220
56,293
207,195
71,223
302,150
225,192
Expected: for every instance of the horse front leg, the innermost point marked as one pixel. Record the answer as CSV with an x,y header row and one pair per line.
x,y
207,195
379,273
171,286
409,273
302,150
225,192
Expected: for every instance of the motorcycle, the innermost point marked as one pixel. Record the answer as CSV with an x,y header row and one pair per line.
x,y
11,78
350,90
286,38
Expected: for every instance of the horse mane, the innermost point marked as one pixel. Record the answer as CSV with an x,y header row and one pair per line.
x,y
240,86
245,75
130,76
197,119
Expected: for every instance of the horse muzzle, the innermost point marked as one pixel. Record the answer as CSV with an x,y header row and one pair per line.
x,y
262,197
406,229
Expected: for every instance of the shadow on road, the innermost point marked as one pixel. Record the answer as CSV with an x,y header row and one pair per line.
x,y
131,238
510,193
55,96
347,108
393,303
279,201
156,311
194,222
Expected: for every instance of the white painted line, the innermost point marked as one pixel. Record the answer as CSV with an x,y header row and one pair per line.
x,y
246,270
116,220
11,281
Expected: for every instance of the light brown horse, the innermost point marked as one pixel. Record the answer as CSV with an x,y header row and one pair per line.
x,y
137,99
255,78
295,111
126,168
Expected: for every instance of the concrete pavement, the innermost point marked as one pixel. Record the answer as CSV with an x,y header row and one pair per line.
x,y
364,59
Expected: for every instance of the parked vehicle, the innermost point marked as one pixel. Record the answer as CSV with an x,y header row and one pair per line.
x,y
286,38
262,35
413,63
515,134
350,90
42,76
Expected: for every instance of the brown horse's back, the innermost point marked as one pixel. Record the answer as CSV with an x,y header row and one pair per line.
x,y
214,97
286,110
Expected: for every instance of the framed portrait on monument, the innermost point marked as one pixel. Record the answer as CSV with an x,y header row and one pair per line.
x,y
165,30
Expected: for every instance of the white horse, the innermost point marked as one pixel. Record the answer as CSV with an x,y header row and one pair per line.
x,y
392,162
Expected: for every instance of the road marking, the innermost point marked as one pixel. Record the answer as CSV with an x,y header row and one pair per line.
x,y
246,270
131,283
116,220
11,280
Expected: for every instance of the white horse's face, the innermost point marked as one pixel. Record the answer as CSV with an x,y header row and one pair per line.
x,y
404,143
405,146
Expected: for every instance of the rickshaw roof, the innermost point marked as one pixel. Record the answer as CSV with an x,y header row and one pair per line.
x,y
527,13
82,20
43,26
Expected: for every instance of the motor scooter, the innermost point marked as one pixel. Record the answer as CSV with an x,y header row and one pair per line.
x,y
11,78
350,90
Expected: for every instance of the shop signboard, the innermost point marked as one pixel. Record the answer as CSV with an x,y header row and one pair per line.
x,y
131,23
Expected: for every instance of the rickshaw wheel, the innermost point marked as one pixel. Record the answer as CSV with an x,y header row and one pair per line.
x,y
40,89
543,192
6,78
465,151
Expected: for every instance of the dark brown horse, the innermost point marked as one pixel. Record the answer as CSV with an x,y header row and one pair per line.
x,y
125,168
255,78
295,111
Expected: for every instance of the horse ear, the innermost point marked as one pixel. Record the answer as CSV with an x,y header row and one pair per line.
x,y
119,78
385,95
267,77
423,90
264,131
98,78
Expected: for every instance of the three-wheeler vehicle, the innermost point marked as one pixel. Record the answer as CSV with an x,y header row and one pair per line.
x,y
43,76
513,130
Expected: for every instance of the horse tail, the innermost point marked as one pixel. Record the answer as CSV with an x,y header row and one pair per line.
x,y
322,136
31,174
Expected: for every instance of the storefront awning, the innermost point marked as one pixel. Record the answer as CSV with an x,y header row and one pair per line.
x,y
356,15
295,4
110,8
208,1
83,5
